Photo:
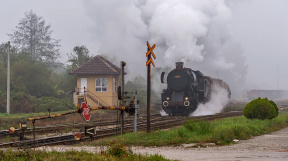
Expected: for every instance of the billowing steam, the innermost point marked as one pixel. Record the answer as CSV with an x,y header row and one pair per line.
x,y
196,32
219,99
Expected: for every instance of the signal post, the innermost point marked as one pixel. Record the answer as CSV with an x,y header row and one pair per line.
x,y
149,61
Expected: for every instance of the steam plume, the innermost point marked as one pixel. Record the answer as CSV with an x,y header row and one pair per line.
x,y
195,32
219,99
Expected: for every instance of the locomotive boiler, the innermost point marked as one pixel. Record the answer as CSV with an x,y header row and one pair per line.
x,y
187,88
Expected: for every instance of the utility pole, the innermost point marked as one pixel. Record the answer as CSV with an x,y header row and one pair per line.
x,y
8,80
123,100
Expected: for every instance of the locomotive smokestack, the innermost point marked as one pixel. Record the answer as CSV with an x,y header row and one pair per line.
x,y
179,65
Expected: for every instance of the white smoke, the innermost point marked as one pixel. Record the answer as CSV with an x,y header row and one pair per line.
x,y
219,99
163,113
196,32
177,25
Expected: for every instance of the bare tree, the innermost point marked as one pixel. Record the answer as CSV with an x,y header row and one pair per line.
x,y
33,36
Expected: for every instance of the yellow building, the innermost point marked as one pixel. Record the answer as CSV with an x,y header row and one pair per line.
x,y
100,79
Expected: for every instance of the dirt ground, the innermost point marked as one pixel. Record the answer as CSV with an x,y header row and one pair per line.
x,y
273,146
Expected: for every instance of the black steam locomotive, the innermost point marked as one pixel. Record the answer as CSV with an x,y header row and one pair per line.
x,y
187,88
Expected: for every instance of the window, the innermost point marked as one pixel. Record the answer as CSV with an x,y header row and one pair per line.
x,y
114,85
101,84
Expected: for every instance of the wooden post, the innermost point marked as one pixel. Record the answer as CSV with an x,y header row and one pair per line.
x,y
149,61
148,93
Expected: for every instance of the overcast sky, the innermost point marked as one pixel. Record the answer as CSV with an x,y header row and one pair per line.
x,y
259,26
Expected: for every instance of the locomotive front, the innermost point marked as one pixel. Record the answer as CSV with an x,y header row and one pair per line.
x,y
180,97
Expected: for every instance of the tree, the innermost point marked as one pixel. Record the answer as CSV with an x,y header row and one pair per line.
x,y
34,37
4,54
32,77
78,58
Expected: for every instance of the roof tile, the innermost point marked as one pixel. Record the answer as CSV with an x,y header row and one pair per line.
x,y
97,66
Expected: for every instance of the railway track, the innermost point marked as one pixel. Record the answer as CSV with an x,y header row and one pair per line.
x,y
53,129
157,123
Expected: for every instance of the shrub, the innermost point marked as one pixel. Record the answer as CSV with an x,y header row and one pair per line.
x,y
117,149
55,104
275,106
259,109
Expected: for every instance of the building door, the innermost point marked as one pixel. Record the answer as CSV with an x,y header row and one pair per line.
x,y
83,82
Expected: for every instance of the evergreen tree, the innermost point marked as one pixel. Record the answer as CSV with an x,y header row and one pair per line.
x,y
33,36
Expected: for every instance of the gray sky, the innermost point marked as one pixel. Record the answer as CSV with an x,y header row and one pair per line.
x,y
259,26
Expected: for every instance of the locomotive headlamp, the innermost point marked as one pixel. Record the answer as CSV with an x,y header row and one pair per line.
x,y
168,98
165,103
186,103
186,98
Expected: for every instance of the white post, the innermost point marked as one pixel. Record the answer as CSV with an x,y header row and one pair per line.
x,y
8,80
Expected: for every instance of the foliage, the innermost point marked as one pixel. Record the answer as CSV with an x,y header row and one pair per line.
x,y
78,58
221,132
139,83
55,104
33,36
4,54
32,78
275,106
65,83
117,149
22,102
260,109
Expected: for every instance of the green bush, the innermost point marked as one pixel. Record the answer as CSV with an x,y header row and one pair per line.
x,y
275,106
260,109
117,149
55,104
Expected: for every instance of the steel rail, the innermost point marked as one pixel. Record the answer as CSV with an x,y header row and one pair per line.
x,y
157,124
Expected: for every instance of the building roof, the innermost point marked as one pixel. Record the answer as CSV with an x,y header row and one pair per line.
x,y
97,66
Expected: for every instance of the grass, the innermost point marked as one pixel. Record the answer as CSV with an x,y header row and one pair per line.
x,y
12,120
71,155
234,106
221,132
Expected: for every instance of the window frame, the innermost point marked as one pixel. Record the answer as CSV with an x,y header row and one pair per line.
x,y
114,85
101,85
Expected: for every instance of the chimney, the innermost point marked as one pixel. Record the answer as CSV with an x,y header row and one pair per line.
x,y
179,65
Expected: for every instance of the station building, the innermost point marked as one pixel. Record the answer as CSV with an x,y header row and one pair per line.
x,y
100,79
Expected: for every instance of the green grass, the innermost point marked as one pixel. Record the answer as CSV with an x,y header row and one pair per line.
x,y
234,106
12,120
28,115
221,132
71,155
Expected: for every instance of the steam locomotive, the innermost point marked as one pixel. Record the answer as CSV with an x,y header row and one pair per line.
x,y
187,88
